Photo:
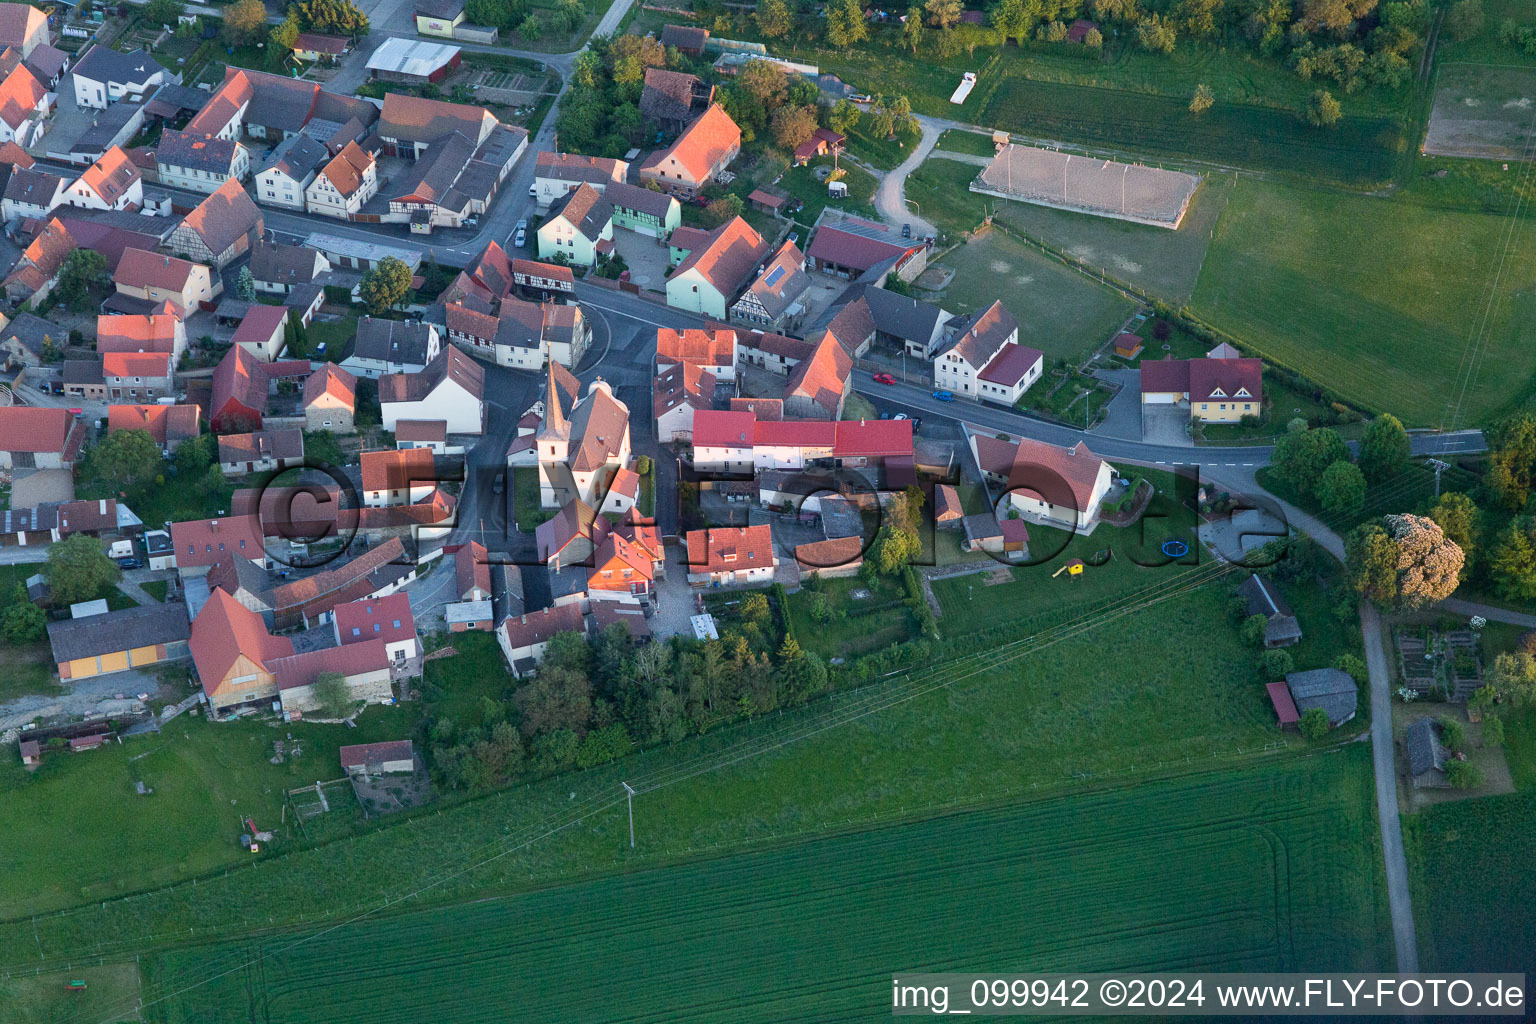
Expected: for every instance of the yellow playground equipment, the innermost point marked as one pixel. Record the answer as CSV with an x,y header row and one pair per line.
x,y
1073,569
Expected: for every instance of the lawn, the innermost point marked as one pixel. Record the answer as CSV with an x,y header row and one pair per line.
x,y
29,669
878,620
335,335
974,143
878,151
111,993
456,687
1254,871
204,776
156,589
1388,303
525,498
1059,311
802,183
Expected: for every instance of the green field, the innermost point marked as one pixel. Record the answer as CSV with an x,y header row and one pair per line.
x,y
1060,311
1275,869
111,993
1382,301
205,777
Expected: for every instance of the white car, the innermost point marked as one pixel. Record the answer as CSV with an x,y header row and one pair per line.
x,y
520,233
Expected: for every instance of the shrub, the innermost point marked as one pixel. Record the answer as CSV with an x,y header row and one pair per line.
x,y
1276,663
1453,735
1314,723
1463,775
1252,629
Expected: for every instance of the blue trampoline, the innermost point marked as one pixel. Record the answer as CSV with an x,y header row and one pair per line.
x,y
1175,548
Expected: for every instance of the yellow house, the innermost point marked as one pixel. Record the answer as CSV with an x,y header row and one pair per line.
x,y
95,645
1216,390
440,18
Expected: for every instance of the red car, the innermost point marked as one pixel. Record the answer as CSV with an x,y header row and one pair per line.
x,y
884,378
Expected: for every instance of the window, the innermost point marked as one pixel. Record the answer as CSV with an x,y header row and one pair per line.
x,y
356,631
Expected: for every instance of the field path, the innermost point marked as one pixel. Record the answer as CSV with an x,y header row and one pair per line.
x,y
891,196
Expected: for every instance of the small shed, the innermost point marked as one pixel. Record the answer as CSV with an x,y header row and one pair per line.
x,y
1127,345
1280,626
87,742
31,753
1285,708
766,201
982,532
947,509
1426,757
1078,31
387,758
1331,689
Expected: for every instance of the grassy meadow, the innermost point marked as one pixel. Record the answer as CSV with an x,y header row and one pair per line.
x,y
1388,302
1251,870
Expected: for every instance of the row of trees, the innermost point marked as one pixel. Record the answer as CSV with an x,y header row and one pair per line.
x,y
1316,462
245,21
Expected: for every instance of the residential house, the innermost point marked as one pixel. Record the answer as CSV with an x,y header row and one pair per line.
x,y
709,279
1220,390
831,558
386,618
111,183
725,556
312,48
241,385
32,193
288,170
81,378
200,544
1331,689
643,211
221,229
141,332
330,399
23,28
392,346
671,99
233,653
451,388
569,536
26,340
169,425
157,279
104,76
1010,373
704,149
678,394
579,227
622,570
472,572
524,638
463,616
429,434
364,670
136,375
401,477
819,385
773,300
261,451
278,269
461,156
24,107
515,333
263,332
344,184
1263,598
555,174
971,348
543,277
134,638
380,571
713,350
581,451
1060,487
39,438
200,163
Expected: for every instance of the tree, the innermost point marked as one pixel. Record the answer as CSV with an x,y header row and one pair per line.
x,y
1512,459
1342,488
1453,735
845,24
1276,663
1013,18
83,270
1512,561
912,29
1384,451
163,12
1512,676
284,33
942,14
557,698
23,622
754,607
1314,723
726,208
1403,562
1202,100
530,28
1301,458
502,14
386,285
764,81
122,460
333,695
1351,666
1156,35
844,117
589,69
1322,108
336,17
1493,731
79,570
1465,19
1198,17
774,18
1462,521
245,285
1093,39
244,22
793,125
1463,774
1252,629
569,14
1370,563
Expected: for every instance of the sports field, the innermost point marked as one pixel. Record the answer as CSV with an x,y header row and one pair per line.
x,y
1060,311
1403,308
1487,112
1269,869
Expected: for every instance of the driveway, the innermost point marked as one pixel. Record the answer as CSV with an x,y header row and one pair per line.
x,y
1122,417
30,488
891,196
1163,425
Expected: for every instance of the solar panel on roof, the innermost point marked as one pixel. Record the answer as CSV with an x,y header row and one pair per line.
x,y
773,276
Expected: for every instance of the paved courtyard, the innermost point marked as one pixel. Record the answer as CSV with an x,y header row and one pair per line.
x,y
647,261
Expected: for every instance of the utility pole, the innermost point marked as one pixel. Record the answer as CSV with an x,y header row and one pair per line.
x,y
629,797
1439,467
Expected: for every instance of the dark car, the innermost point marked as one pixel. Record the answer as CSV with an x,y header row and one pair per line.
x,y
129,563
944,396
501,482
906,231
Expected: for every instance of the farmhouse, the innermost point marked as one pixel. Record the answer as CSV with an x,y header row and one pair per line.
x,y
847,247
678,394
363,668
392,346
716,269
704,149
1280,627
241,385
712,350
524,638
1060,487
772,300
727,556
221,229
642,211
112,642
555,174
451,388
819,384
135,375
1214,390
278,269
973,350
263,332
671,99
344,184
24,106
200,163
32,194
39,438
200,544
22,27
401,477
288,170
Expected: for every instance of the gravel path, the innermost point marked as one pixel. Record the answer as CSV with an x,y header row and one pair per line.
x,y
891,196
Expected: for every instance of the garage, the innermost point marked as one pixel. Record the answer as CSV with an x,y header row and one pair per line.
x,y
95,645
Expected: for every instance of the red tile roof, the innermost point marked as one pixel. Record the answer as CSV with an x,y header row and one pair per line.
x,y
472,568
167,424
316,43
397,470
304,668
199,542
1062,476
822,378
946,504
830,553
136,364
713,428
1284,703
20,94
692,345
375,618
1202,378
872,439
795,434
360,755
528,630
1011,365
28,429
111,176
140,269
260,325
330,380
421,430
848,249
155,332
684,383
729,258
224,630
701,145
730,549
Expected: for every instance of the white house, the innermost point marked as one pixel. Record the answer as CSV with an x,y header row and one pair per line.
x,y
555,174
111,183
578,226
714,272
451,388
391,346
288,171
24,106
401,477
200,163
524,638
344,184
1045,483
971,349
104,76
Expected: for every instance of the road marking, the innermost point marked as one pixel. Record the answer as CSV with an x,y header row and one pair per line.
x,y
627,316
1247,463
1160,462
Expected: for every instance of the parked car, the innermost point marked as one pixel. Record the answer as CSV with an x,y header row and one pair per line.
x,y
944,396
520,233
501,482
901,416
129,563
906,231
884,378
